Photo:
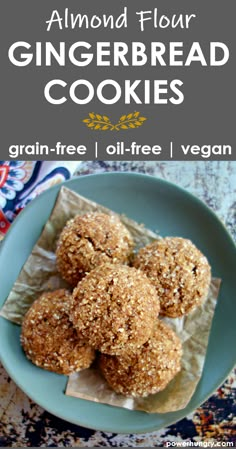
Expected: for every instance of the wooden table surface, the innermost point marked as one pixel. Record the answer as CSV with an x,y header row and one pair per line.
x,y
23,423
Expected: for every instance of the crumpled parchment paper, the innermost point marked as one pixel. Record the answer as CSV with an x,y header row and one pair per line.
x,y
40,274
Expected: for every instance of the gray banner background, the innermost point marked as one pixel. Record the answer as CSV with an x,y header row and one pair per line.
x,y
206,116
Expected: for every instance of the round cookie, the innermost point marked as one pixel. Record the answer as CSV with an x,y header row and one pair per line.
x,y
90,240
114,308
149,369
48,337
179,271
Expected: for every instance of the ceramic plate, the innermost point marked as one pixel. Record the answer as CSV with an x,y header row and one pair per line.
x,y
161,206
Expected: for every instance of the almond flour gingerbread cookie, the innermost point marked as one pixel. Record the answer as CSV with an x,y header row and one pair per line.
x,y
115,308
149,369
49,339
180,273
90,240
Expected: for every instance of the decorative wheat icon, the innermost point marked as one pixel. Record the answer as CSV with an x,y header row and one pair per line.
x,y
103,123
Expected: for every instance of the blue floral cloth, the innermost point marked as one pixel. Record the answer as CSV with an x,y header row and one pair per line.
x,y
22,181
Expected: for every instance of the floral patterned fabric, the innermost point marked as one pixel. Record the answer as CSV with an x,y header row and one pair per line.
x,y
21,181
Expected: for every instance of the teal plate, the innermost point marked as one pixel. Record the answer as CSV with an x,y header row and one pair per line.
x,y
159,205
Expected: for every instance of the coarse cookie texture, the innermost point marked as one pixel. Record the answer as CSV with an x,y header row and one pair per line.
x,y
114,308
49,339
179,271
90,240
149,369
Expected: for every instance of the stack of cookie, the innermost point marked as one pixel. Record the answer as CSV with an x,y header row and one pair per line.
x,y
116,304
